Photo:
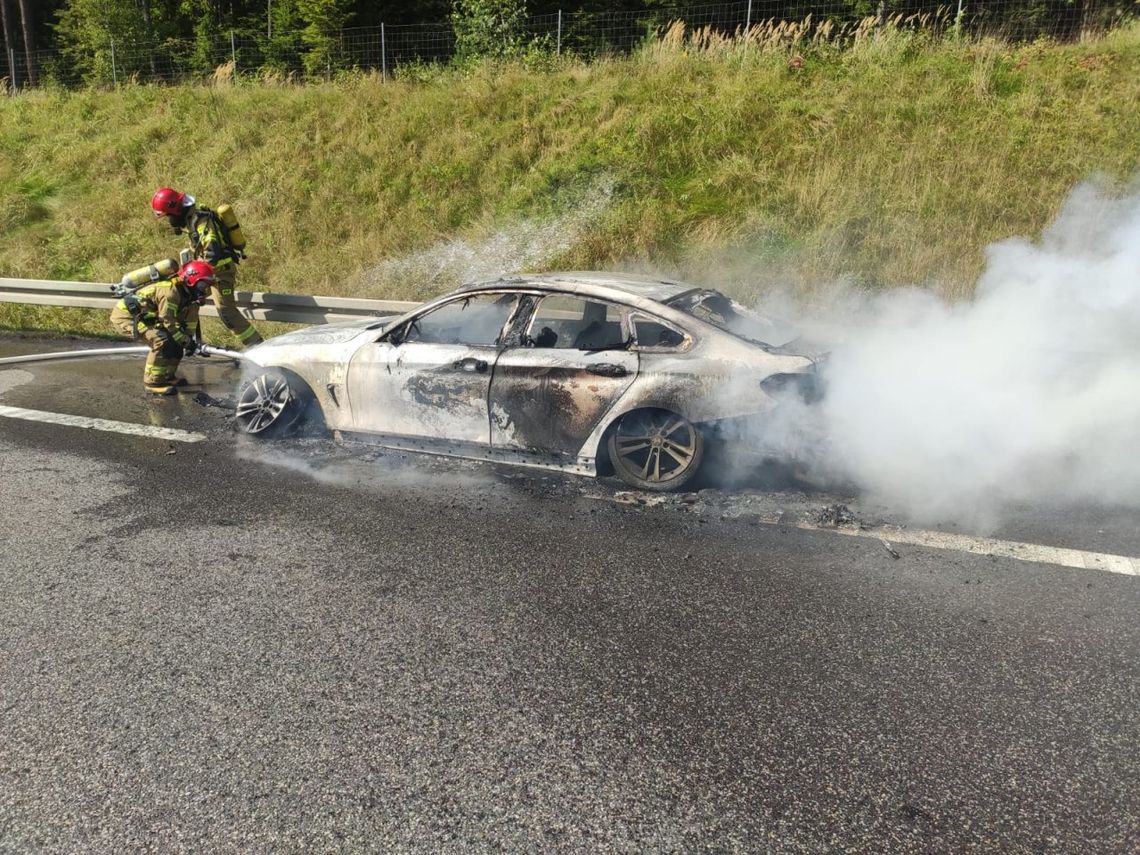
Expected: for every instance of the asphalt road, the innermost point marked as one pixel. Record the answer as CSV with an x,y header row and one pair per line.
x,y
225,646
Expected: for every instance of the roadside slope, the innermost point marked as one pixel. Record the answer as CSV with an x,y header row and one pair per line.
x,y
895,161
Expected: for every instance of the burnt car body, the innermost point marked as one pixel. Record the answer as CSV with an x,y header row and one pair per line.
x,y
569,371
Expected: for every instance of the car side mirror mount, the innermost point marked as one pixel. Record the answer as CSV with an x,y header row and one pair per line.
x,y
393,336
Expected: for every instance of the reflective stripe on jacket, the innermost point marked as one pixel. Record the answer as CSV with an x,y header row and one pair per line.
x,y
163,304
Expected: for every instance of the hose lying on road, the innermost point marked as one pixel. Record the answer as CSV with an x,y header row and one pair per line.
x,y
76,354
137,350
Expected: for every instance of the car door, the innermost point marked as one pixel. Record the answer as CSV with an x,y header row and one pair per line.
x,y
430,377
555,382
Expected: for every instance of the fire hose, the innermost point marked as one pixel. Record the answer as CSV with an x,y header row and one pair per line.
x,y
134,350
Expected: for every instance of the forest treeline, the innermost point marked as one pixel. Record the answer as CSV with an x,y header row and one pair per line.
x,y
107,41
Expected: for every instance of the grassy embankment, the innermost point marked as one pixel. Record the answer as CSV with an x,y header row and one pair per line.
x,y
894,160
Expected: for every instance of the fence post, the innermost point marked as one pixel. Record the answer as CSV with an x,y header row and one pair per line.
x,y
558,50
748,18
383,55
114,71
269,19
12,66
233,51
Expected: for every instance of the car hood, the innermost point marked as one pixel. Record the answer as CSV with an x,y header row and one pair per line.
x,y
328,333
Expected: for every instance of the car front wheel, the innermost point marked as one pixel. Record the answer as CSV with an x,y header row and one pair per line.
x,y
271,404
656,450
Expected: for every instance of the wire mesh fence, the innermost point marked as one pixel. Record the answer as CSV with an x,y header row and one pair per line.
x,y
587,35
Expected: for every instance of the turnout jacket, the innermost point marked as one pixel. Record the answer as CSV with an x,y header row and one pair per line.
x,y
208,238
161,305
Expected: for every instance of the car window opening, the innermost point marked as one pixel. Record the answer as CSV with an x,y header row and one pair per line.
x,y
475,321
649,332
565,322
728,315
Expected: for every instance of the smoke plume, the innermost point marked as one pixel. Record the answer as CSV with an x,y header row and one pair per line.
x,y
1028,393
510,248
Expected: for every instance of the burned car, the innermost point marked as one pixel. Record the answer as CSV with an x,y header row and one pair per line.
x,y
582,372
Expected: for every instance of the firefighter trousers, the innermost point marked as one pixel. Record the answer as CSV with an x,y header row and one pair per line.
x,y
159,370
223,296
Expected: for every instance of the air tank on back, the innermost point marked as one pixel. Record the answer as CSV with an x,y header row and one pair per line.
x,y
136,279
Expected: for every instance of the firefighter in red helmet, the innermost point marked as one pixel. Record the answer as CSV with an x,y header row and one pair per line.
x,y
163,313
211,241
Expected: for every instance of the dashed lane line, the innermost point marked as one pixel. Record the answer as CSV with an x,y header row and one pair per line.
x,y
170,434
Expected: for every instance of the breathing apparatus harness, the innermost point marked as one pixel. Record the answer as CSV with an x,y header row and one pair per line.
x,y
225,222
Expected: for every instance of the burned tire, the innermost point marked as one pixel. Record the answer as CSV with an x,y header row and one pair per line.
x,y
656,450
271,404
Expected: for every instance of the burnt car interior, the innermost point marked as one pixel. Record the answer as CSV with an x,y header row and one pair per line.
x,y
562,321
651,333
477,320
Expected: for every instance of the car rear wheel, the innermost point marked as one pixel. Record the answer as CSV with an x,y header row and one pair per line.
x,y
271,404
656,450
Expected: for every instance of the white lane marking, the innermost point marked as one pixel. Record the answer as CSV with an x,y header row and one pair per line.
x,y
1078,558
102,424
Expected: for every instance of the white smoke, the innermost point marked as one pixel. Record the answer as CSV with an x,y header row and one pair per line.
x,y
512,248
1028,393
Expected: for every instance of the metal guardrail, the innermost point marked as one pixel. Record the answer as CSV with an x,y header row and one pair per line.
x,y
255,305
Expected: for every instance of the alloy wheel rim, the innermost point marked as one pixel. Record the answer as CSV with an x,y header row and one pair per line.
x,y
262,403
657,447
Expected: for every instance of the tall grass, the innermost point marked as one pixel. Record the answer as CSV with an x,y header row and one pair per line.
x,y
790,154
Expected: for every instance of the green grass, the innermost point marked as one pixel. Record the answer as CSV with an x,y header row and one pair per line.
x,y
892,160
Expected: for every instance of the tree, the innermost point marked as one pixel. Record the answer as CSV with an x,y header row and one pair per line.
x,y
8,46
324,20
488,28
29,41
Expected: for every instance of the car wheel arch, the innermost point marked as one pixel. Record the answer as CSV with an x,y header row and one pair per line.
x,y
604,462
307,403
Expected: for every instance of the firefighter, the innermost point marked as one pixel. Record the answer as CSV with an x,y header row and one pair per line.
x,y
209,241
163,313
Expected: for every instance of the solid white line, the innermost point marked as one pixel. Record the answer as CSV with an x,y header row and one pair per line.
x,y
1078,558
102,424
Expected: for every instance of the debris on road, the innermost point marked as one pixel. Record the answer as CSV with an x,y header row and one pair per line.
x,y
834,516
210,401
889,548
